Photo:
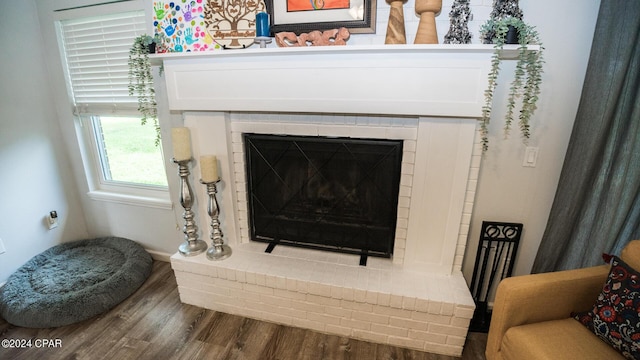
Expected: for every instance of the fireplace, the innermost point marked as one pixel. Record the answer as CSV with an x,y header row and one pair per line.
x,y
336,194
428,100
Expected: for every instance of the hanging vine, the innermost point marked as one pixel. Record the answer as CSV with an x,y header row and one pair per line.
x,y
141,82
527,77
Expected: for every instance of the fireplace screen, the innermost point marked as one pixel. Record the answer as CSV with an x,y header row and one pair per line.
x,y
335,194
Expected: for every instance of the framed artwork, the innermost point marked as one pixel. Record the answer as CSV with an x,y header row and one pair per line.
x,y
300,16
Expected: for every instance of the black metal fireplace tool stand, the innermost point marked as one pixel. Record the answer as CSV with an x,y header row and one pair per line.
x,y
494,261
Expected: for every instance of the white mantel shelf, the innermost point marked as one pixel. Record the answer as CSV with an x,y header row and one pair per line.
x,y
509,51
412,80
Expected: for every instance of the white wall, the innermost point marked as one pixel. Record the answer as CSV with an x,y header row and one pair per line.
x,y
507,191
32,143
36,175
158,230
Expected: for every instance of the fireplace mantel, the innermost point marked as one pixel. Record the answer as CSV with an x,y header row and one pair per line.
x,y
428,96
442,86
416,80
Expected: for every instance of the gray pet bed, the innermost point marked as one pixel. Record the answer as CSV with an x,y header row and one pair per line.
x,y
74,281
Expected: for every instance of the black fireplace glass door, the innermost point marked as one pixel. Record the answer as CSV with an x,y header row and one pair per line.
x,y
338,194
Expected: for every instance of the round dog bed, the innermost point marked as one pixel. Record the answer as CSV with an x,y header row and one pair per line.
x,y
74,281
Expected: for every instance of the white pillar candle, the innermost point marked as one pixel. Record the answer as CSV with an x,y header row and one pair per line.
x,y
181,143
209,168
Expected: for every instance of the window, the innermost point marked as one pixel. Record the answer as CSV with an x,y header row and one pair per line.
x,y
121,153
127,152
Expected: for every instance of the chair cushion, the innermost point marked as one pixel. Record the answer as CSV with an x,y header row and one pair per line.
x,y
631,254
615,317
554,340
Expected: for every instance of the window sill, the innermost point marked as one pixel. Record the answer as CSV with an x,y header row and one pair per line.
x,y
135,200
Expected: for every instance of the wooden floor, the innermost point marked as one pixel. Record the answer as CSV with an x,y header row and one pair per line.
x,y
153,324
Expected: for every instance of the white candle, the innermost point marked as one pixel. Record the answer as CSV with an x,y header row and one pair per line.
x,y
181,143
209,168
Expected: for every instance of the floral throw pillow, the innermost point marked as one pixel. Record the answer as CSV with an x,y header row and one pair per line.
x,y
615,317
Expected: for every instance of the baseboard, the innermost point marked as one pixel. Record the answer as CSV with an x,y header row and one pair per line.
x,y
159,256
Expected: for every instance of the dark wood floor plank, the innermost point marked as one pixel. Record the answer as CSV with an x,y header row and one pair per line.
x,y
153,324
211,352
146,328
194,350
318,346
386,352
201,324
252,340
285,343
170,339
360,350
221,330
124,349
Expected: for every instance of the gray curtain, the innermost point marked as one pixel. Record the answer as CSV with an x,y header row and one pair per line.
x,y
597,204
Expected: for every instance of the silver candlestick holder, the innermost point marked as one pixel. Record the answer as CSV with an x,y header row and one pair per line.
x,y
219,251
192,246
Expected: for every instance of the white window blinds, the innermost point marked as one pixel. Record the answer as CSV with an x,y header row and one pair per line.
x,y
96,51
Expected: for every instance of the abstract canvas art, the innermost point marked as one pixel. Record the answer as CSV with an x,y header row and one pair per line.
x,y
305,5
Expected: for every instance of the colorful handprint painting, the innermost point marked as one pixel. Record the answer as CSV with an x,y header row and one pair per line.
x,y
305,5
180,24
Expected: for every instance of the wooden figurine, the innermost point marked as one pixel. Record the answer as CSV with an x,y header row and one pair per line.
x,y
314,38
395,27
427,9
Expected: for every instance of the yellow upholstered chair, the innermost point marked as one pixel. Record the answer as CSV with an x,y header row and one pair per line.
x,y
531,314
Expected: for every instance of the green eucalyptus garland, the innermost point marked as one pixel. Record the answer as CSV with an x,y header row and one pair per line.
x,y
141,82
527,77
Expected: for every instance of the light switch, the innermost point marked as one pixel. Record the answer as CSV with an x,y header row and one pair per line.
x,y
530,157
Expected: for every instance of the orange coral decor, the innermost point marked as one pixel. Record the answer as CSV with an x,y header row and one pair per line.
x,y
304,5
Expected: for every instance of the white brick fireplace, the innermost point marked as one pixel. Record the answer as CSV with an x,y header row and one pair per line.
x,y
429,96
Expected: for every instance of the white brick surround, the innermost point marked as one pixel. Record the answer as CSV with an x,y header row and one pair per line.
x,y
333,126
385,302
368,127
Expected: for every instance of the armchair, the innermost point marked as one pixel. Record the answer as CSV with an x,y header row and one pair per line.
x,y
531,314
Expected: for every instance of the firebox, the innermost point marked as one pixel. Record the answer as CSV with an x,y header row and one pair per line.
x,y
336,194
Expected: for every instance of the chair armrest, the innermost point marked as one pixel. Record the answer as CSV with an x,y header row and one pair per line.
x,y
541,297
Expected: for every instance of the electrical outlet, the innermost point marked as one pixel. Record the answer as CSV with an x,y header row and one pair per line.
x,y
530,157
2,249
52,219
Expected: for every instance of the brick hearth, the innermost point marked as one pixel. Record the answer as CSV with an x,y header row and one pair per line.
x,y
329,292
